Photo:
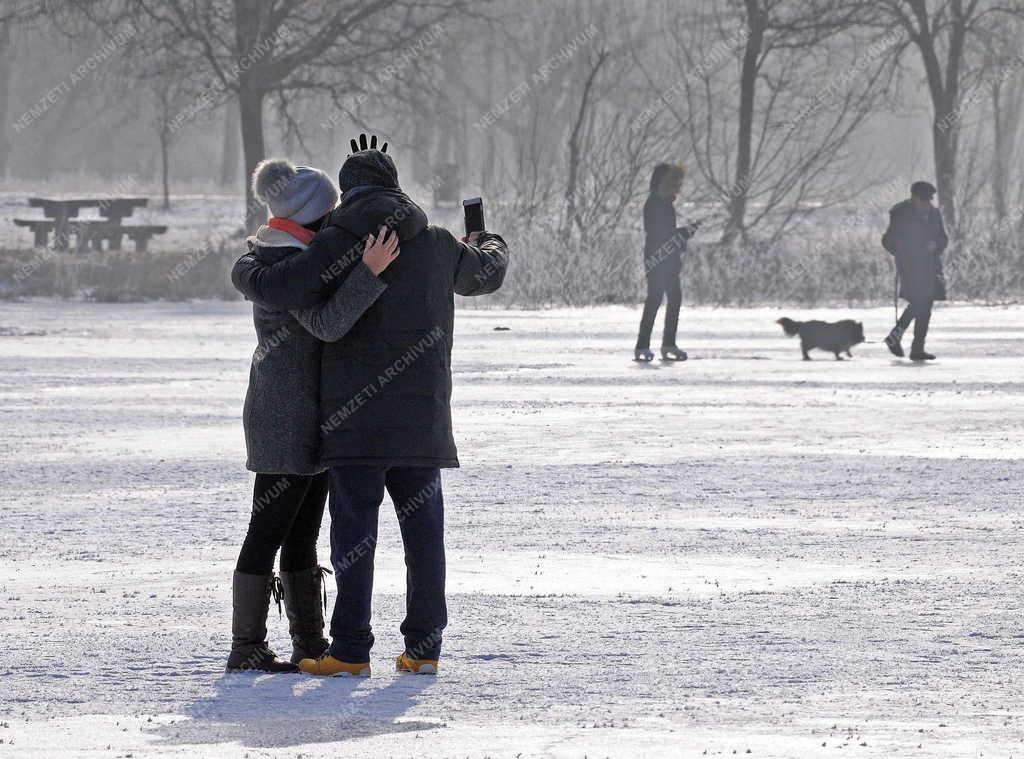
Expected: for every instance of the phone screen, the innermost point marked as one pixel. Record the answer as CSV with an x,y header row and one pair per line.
x,y
474,212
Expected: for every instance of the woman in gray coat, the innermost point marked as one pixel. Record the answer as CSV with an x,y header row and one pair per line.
x,y
282,426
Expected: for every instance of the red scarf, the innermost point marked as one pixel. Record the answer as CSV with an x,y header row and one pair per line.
x,y
299,232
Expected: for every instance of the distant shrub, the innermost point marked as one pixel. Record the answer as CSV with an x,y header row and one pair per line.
x,y
120,276
843,267
544,271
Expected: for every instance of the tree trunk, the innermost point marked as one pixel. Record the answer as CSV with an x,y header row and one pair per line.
x,y
5,77
490,148
250,111
230,148
757,21
1007,99
944,87
165,163
944,150
571,213
249,17
999,173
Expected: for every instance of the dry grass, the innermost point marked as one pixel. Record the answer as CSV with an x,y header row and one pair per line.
x,y
544,272
119,276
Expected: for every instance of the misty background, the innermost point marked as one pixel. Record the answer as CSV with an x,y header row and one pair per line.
x,y
800,123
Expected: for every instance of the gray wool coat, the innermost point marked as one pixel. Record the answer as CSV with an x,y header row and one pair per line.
x,y
281,414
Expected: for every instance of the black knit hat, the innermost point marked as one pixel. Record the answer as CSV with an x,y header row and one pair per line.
x,y
370,168
923,190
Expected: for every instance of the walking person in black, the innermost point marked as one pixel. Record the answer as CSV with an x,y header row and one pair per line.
x,y
916,238
664,245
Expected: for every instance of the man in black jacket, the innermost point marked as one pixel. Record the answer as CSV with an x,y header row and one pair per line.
x,y
916,238
385,393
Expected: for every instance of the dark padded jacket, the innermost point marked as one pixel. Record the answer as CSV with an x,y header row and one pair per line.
x,y
908,238
385,388
664,243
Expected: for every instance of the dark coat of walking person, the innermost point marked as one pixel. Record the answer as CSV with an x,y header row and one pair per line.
x,y
664,245
916,238
282,428
385,398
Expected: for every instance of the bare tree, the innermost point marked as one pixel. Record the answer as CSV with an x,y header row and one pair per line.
x,y
941,33
229,146
170,93
252,50
769,93
572,215
1004,72
13,14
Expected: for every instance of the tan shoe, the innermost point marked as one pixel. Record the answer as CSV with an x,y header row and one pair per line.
x,y
328,666
416,666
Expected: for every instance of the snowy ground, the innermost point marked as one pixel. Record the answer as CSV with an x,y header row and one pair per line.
x,y
744,555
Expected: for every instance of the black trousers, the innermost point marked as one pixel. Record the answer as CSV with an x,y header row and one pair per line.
x,y
286,513
661,285
919,312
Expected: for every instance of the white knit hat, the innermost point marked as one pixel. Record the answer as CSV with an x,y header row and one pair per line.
x,y
299,193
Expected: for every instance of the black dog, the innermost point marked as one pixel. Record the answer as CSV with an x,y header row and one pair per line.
x,y
834,337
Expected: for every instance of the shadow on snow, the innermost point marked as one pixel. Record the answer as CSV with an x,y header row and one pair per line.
x,y
275,711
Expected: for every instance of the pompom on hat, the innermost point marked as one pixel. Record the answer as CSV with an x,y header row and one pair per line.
x,y
299,193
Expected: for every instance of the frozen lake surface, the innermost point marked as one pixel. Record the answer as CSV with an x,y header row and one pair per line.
x,y
746,554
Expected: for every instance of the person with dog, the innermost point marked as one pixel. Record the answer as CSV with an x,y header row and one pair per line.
x,y
916,238
385,398
664,245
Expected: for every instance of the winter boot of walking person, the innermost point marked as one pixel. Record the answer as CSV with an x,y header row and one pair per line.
x,y
895,342
304,603
917,351
250,602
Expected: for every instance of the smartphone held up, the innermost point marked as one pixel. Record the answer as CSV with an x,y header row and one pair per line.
x,y
473,210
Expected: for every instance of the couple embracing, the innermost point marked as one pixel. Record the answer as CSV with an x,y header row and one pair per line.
x,y
349,396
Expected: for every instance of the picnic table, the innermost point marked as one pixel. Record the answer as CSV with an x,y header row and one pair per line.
x,y
63,223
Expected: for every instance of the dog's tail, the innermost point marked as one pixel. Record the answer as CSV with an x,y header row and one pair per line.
x,y
789,326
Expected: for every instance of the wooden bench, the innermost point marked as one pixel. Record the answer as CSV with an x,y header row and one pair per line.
x,y
90,234
63,223
41,229
140,234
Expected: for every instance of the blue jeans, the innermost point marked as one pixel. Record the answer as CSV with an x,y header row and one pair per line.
x,y
356,495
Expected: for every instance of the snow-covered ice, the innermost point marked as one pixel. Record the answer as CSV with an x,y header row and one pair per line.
x,y
744,555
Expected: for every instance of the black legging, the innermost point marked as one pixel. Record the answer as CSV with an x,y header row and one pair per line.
x,y
659,285
286,513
